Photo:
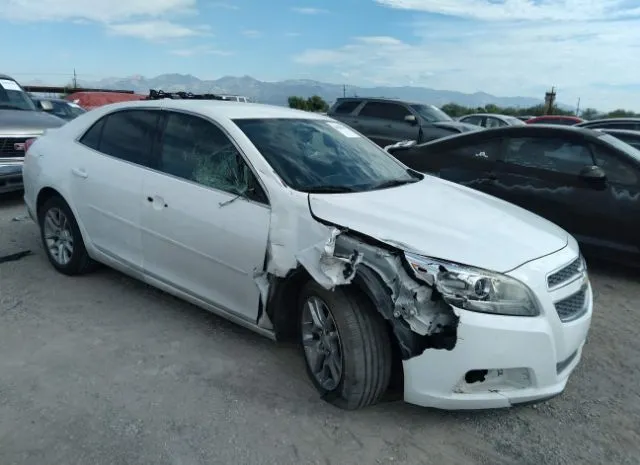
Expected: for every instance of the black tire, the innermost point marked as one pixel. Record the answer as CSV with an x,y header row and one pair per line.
x,y
365,344
80,262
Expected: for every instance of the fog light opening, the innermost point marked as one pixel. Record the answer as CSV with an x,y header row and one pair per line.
x,y
476,376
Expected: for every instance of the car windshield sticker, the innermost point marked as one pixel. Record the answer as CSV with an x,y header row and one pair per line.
x,y
9,85
345,131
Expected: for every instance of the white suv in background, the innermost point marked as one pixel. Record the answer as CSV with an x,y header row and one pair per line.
x,y
294,225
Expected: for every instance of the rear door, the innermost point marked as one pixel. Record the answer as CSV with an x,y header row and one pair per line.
x,y
384,123
106,181
618,211
541,173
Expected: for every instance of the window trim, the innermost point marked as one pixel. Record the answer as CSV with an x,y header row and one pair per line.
x,y
157,145
154,152
105,117
574,140
409,110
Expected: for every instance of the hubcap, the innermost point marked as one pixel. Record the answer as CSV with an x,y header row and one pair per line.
x,y
58,236
321,341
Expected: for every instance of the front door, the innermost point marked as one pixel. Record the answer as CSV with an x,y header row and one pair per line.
x,y
384,123
206,218
106,182
542,174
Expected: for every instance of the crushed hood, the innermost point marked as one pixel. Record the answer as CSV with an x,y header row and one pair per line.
x,y
24,122
444,220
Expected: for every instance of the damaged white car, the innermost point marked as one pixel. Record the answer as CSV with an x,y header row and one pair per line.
x,y
295,226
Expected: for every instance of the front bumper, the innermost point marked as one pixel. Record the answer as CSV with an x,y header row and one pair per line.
x,y
501,361
10,176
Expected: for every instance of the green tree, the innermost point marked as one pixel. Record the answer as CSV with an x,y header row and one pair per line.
x,y
589,113
620,113
317,103
298,103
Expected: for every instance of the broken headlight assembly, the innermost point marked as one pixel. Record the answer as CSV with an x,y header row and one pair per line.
x,y
475,289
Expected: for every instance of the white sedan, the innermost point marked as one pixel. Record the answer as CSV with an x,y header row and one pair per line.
x,y
293,225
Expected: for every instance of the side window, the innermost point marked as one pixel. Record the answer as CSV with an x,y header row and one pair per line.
x,y
494,122
196,150
347,107
91,138
487,150
383,110
60,109
129,134
614,125
477,120
551,154
617,170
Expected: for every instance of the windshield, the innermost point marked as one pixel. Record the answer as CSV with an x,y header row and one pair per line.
x,y
324,156
12,97
431,114
622,146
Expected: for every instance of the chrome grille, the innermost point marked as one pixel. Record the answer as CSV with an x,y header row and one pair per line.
x,y
8,149
568,273
573,307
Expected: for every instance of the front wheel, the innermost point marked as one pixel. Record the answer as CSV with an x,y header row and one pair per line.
x,y
346,346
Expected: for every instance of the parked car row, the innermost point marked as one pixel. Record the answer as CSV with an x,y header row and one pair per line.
x,y
297,226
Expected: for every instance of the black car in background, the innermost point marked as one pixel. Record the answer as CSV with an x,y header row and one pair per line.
x,y
630,137
387,121
632,124
587,182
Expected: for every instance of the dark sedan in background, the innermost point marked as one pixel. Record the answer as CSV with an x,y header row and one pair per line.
x,y
630,137
588,182
631,124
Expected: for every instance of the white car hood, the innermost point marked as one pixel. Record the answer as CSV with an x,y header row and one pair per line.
x,y
444,220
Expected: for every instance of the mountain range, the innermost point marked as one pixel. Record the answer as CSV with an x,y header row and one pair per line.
x,y
277,93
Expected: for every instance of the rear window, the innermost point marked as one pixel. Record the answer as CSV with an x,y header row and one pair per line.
x,y
347,107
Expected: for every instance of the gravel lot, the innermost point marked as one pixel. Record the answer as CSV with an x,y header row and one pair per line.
x,y
105,370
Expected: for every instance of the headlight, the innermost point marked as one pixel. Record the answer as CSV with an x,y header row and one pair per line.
x,y
475,289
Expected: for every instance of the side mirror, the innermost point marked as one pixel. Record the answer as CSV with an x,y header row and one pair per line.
x,y
411,119
46,105
593,174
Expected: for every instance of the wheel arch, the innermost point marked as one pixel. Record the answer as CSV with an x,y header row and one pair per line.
x,y
48,192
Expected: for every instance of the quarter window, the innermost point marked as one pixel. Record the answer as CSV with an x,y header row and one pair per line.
x,y
382,110
196,150
347,107
551,154
91,138
129,134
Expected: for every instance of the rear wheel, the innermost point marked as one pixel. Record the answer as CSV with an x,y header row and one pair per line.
x,y
61,238
346,346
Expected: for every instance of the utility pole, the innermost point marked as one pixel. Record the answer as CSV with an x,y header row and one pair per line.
x,y
344,90
549,100
578,107
75,79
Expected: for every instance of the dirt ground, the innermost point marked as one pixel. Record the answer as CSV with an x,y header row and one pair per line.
x,y
105,370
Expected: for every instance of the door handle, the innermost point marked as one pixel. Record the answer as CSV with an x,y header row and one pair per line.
x,y
80,173
161,202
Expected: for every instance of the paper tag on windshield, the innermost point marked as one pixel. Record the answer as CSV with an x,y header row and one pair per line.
x,y
342,129
9,85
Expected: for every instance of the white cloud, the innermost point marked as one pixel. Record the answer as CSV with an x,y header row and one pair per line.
x,y
251,33
309,11
528,10
226,6
155,30
200,50
95,10
593,60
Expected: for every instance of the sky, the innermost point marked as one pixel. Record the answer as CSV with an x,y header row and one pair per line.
x,y
587,49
